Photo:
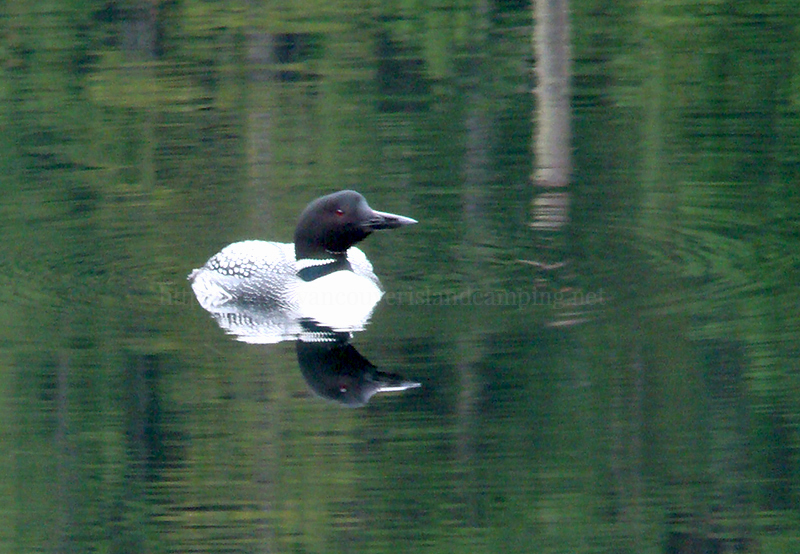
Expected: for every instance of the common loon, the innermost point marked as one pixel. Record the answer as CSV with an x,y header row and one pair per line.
x,y
322,277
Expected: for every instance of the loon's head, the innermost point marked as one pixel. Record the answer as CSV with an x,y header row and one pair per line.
x,y
333,223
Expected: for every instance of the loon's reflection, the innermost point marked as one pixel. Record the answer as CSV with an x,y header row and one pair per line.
x,y
335,370
332,368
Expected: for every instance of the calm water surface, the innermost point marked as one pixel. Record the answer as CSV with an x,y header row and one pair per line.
x,y
625,383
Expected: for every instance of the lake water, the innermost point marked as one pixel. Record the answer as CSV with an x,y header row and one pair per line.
x,y
624,383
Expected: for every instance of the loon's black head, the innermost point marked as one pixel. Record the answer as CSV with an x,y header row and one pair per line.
x,y
333,223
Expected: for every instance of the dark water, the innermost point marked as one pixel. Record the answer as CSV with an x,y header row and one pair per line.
x,y
634,389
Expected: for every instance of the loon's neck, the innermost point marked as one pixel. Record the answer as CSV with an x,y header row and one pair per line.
x,y
317,250
338,262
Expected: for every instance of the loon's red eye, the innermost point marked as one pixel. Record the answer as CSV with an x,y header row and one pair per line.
x,y
339,211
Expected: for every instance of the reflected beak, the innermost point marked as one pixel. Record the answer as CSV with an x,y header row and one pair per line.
x,y
391,382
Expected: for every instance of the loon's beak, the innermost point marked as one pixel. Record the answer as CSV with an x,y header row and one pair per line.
x,y
384,220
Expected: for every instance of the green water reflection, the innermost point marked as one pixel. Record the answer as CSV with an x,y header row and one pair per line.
x,y
642,397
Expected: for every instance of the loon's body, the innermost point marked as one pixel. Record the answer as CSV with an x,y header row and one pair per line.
x,y
267,273
322,277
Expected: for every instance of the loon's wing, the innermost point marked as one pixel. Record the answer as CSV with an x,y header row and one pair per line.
x,y
247,271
